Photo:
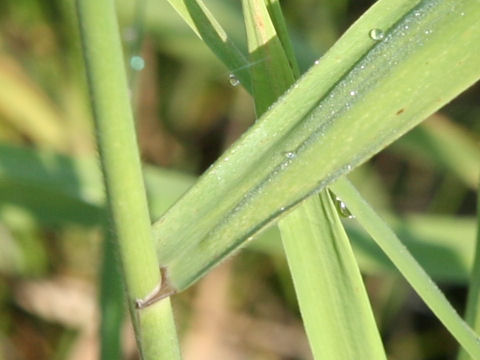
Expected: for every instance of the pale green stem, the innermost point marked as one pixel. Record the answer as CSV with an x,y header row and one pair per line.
x,y
130,220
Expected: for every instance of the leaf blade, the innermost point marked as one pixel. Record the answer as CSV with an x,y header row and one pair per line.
x,y
408,266
253,183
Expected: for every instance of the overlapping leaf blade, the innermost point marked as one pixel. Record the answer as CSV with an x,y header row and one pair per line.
x,y
319,254
360,97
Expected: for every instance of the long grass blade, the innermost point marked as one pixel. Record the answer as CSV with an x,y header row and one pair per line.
x,y
207,28
408,266
332,298
318,251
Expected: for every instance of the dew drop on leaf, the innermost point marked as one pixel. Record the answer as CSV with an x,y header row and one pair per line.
x,y
233,80
343,209
376,34
290,154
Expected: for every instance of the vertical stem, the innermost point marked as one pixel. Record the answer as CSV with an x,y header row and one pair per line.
x,y
115,131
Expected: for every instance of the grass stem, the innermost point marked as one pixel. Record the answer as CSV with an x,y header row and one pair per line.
x,y
117,143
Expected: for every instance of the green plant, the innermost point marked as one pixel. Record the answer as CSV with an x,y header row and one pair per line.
x,y
123,179
396,65
335,103
354,102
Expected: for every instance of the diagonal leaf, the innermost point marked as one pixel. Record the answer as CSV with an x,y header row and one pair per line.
x,y
39,180
408,266
362,95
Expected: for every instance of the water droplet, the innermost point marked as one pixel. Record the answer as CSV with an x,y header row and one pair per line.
x,y
137,63
343,209
462,14
233,80
316,62
376,34
290,154
353,93
428,32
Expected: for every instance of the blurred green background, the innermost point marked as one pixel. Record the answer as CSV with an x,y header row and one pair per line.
x,y
51,198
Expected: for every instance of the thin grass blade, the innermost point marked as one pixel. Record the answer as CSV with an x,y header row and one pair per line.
x,y
207,28
408,267
332,298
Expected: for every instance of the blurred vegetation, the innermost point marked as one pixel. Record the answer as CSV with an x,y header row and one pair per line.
x,y
51,196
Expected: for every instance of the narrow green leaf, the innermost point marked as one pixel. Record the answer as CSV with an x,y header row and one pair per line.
x,y
472,313
363,94
271,74
318,251
333,301
408,266
207,28
278,21
433,240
